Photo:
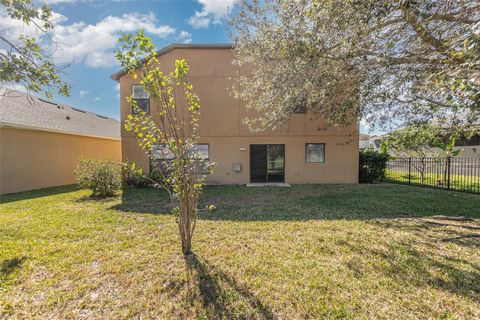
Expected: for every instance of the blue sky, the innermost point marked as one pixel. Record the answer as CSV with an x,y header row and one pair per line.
x,y
87,31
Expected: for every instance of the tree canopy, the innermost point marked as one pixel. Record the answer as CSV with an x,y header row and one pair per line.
x,y
27,60
404,60
415,140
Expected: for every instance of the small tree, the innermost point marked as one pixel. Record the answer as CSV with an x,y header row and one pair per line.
x,y
168,126
447,150
415,140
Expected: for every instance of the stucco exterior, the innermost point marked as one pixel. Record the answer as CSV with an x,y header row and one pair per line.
x,y
34,159
221,126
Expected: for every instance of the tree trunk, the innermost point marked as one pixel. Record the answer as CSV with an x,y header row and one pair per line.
x,y
185,217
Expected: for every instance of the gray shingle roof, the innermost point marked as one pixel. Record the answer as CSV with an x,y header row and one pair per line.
x,y
26,111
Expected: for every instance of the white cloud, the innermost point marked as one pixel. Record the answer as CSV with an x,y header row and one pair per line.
x,y
96,98
185,37
213,11
94,43
117,87
83,93
91,44
13,28
199,20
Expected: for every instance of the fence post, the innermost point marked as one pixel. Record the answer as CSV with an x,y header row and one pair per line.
x,y
409,168
448,172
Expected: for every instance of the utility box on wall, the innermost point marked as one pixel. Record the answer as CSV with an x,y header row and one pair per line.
x,y
237,167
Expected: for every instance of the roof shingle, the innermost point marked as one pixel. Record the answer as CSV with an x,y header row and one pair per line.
x,y
18,109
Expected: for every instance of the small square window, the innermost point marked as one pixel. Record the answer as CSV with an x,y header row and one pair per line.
x,y
315,153
141,97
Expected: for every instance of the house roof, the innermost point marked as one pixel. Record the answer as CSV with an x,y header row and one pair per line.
x,y
20,110
116,76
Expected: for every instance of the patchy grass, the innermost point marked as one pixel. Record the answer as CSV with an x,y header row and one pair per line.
x,y
333,251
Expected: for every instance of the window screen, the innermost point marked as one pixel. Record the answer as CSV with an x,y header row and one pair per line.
x,y
315,152
200,153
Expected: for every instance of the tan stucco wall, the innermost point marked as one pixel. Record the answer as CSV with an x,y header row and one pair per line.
x,y
31,159
221,125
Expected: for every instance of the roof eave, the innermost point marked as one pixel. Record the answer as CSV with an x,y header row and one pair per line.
x,y
117,75
35,128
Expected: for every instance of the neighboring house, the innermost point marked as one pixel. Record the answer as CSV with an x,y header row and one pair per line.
x,y
364,142
470,146
302,151
41,141
375,142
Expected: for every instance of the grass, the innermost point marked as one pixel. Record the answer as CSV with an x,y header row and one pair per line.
x,y
375,251
457,182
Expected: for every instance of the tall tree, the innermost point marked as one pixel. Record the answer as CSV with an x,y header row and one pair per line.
x,y
402,60
26,60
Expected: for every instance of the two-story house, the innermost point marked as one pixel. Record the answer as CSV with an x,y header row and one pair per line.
x,y
302,151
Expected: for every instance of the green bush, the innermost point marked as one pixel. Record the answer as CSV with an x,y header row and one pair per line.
x,y
103,177
372,165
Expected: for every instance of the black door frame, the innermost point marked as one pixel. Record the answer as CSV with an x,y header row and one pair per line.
x,y
266,180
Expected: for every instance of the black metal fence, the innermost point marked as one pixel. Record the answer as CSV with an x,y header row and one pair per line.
x,y
450,173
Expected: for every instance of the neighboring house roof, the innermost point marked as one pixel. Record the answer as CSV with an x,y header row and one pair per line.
x,y
20,110
364,136
117,75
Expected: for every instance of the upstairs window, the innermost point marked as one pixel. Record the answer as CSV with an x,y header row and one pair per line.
x,y
301,109
315,152
141,97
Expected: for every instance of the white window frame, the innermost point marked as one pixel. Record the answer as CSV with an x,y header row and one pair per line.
x,y
145,97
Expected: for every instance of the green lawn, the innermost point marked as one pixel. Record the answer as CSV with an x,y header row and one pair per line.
x,y
376,251
457,182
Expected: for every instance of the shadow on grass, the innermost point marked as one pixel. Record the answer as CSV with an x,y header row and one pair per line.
x,y
28,195
311,202
442,229
144,201
405,264
10,265
7,267
221,295
96,199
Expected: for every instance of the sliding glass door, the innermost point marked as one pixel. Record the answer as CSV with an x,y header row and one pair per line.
x,y
267,163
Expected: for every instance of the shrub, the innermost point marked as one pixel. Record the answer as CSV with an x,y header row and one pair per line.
x,y
103,177
134,176
372,165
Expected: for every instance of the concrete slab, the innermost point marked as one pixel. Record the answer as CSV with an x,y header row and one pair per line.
x,y
268,184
